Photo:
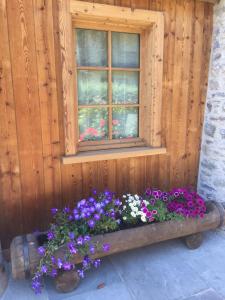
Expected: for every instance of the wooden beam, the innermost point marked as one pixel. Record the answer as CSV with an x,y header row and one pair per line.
x,y
109,154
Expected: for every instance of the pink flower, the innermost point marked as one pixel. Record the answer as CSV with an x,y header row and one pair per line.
x,y
102,122
91,131
115,122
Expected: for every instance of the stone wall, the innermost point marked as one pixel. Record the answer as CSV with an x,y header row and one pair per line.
x,y
211,181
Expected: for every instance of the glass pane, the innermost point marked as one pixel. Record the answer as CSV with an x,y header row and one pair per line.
x,y
125,122
92,87
125,87
91,47
125,50
93,124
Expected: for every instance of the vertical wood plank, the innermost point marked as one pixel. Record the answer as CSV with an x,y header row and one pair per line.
x,y
10,185
24,69
182,53
44,35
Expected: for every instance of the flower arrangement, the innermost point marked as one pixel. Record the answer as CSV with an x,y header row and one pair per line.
x,y
103,213
186,203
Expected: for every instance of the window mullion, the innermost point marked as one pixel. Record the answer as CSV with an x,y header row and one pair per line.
x,y
110,82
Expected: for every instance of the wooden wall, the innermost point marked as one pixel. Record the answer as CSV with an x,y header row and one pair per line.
x,y
32,178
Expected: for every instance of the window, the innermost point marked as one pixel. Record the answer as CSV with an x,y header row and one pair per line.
x,y
112,80
108,72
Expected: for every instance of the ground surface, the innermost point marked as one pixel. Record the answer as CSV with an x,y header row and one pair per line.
x,y
166,271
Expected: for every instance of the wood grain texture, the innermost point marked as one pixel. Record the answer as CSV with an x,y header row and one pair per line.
x,y
32,177
10,180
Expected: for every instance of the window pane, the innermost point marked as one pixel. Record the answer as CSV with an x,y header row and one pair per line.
x,y
125,87
93,124
125,122
91,47
125,50
92,87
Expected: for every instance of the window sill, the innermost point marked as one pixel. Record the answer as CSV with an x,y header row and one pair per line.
x,y
110,154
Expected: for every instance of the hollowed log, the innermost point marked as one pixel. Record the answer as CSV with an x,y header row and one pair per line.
x,y
25,258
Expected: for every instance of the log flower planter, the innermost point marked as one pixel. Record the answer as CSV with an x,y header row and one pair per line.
x,y
25,258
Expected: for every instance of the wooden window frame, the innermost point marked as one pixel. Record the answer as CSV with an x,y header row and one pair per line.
x,y
150,25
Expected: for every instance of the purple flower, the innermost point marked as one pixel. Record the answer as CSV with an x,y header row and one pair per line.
x,y
106,247
36,285
75,211
83,202
71,235
91,223
53,259
92,209
148,192
54,273
76,217
96,217
41,251
155,193
59,263
107,193
67,266
94,192
92,249
54,211
50,235
80,273
72,248
98,206
86,262
117,202
70,217
87,238
80,241
165,198
66,210
91,199
83,215
152,202
97,263
44,269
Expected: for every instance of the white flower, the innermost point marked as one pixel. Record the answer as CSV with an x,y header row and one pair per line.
x,y
136,197
124,207
124,218
143,219
145,202
133,214
135,209
124,196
